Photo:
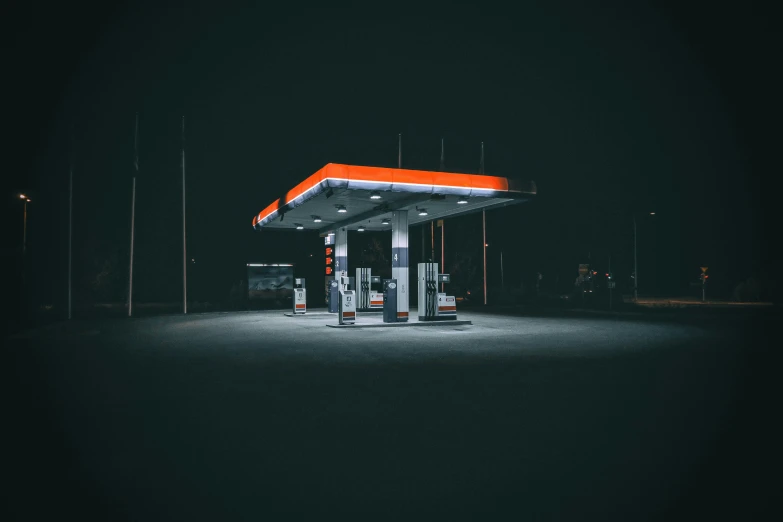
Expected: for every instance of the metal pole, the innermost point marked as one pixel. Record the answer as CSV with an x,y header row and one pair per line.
x,y
609,282
24,232
442,253
484,227
24,252
70,237
484,231
133,213
635,268
399,151
432,240
133,231
423,247
184,243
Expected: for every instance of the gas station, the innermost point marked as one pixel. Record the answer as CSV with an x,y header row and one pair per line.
x,y
339,198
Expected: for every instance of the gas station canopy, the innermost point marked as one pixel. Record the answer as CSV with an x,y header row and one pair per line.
x,y
350,196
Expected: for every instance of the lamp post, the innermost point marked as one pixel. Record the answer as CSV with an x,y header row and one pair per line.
x,y
24,226
635,267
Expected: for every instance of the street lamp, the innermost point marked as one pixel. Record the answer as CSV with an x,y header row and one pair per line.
x,y
635,268
24,228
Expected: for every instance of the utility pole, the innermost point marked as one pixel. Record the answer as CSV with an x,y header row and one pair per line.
x,y
70,228
24,230
609,282
184,242
399,151
432,240
442,223
635,268
132,236
423,247
442,252
484,227
133,214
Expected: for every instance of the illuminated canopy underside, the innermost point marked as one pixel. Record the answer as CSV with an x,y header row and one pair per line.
x,y
400,190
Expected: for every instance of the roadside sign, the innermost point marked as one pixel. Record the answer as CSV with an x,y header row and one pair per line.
x,y
583,269
703,269
440,222
610,284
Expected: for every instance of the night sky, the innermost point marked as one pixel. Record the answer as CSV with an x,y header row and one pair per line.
x,y
611,108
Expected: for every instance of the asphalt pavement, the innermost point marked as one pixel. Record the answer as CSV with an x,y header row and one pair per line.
x,y
254,415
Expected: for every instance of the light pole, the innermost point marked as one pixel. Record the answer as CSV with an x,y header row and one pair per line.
x,y
24,226
635,268
24,242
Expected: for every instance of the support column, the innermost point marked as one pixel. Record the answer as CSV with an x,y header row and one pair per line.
x,y
341,251
399,223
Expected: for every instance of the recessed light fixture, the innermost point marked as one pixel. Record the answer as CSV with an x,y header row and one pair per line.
x,y
341,208
316,219
375,195
422,211
361,228
385,221
298,226
462,200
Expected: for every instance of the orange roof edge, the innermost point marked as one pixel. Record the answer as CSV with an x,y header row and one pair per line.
x,y
389,175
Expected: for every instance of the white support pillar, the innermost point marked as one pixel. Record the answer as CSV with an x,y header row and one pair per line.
x,y
341,251
399,223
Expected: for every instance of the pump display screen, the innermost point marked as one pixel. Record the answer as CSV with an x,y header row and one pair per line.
x,y
273,282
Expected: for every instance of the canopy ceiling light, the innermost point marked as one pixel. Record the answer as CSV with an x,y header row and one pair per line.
x,y
462,200
422,211
341,208
385,221
316,219
299,226
375,195
361,228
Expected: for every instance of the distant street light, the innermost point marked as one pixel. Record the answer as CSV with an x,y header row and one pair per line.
x,y
24,224
635,267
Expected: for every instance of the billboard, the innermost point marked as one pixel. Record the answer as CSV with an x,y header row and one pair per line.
x,y
272,282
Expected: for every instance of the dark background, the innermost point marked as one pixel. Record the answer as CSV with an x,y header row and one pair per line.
x,y
610,108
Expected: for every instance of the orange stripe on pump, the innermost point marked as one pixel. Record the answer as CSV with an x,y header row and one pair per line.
x,y
349,314
402,314
300,306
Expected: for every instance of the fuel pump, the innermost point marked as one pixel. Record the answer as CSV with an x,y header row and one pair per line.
x,y
376,297
434,305
335,285
363,276
447,305
347,303
300,296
